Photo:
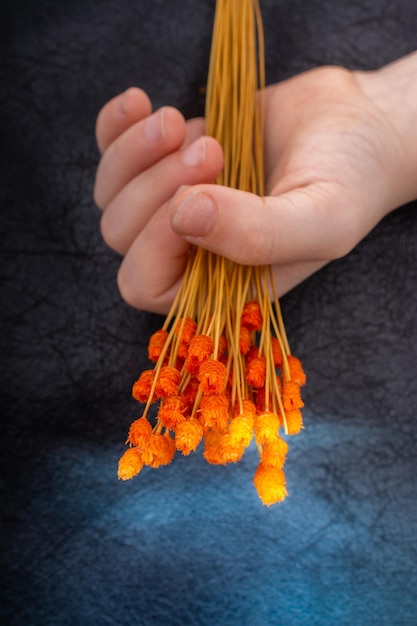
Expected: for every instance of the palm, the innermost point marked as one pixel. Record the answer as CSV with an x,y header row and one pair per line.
x,y
324,141
319,134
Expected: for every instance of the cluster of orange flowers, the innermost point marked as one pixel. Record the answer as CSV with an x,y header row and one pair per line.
x,y
224,374
220,393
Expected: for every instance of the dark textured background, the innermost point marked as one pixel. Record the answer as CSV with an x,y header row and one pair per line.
x,y
189,544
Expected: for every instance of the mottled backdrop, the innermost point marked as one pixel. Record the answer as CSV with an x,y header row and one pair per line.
x,y
190,543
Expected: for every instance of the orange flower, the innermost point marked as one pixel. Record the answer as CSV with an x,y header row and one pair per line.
x,y
212,376
245,339
270,484
251,316
185,329
294,421
256,371
182,350
188,436
160,450
241,430
171,412
142,387
190,393
276,352
220,360
266,426
167,382
274,453
291,396
214,411
156,344
130,464
211,448
200,348
297,373
229,451
248,409
140,432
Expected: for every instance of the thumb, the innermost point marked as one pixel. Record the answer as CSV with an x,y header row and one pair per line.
x,y
304,224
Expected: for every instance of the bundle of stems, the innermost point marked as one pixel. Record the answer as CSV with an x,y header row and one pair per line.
x,y
223,372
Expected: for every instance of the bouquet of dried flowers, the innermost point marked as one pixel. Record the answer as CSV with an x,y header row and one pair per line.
x,y
223,373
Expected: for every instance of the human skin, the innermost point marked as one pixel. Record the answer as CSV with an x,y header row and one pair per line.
x,y
340,155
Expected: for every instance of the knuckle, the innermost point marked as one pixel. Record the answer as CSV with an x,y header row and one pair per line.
x,y
254,246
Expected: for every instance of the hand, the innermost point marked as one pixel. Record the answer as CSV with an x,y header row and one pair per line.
x,y
337,160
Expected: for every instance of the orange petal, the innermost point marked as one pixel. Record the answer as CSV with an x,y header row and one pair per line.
x,y
274,453
248,409
167,382
245,339
241,430
297,373
200,349
291,396
201,346
294,421
211,448
212,376
276,351
252,316
171,412
266,426
130,464
139,433
229,451
188,436
142,387
255,372
159,451
156,343
185,329
270,484
214,410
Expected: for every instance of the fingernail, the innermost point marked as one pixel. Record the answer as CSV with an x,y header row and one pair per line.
x,y
195,216
122,104
153,127
195,154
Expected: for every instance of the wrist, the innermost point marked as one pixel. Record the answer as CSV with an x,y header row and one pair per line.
x,y
392,91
